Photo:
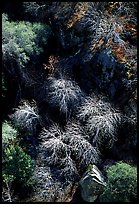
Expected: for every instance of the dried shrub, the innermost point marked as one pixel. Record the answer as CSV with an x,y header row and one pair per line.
x,y
101,121
56,153
48,187
67,151
65,95
82,151
26,117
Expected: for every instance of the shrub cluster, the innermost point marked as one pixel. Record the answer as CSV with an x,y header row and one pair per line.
x,y
122,183
75,66
22,41
17,165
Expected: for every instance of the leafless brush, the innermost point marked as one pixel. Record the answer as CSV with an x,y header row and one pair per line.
x,y
7,193
57,150
103,129
64,95
83,152
26,116
48,188
101,121
56,153
67,150
68,169
53,132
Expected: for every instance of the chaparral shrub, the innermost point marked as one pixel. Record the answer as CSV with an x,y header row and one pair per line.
x,y
122,183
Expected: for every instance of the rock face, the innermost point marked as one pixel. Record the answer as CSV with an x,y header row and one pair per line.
x,y
92,184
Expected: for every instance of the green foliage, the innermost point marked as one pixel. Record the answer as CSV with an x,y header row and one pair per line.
x,y
92,49
17,165
8,133
23,39
122,183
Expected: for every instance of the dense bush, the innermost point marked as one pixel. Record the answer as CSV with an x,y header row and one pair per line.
x,y
17,166
8,133
21,42
122,184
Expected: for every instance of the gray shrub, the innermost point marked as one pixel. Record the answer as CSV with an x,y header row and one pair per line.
x,y
101,121
65,95
66,150
48,187
83,152
56,153
26,117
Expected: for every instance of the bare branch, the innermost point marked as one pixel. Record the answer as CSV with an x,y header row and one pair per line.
x,y
26,116
101,121
64,95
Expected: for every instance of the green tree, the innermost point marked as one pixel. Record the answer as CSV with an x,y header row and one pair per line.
x,y
17,165
8,133
22,41
122,183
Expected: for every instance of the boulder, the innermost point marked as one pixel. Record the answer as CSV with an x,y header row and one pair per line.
x,y
92,184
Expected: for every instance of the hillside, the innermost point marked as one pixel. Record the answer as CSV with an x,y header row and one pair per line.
x,y
69,101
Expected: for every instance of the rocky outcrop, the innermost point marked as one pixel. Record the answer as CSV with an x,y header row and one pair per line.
x,y
92,184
